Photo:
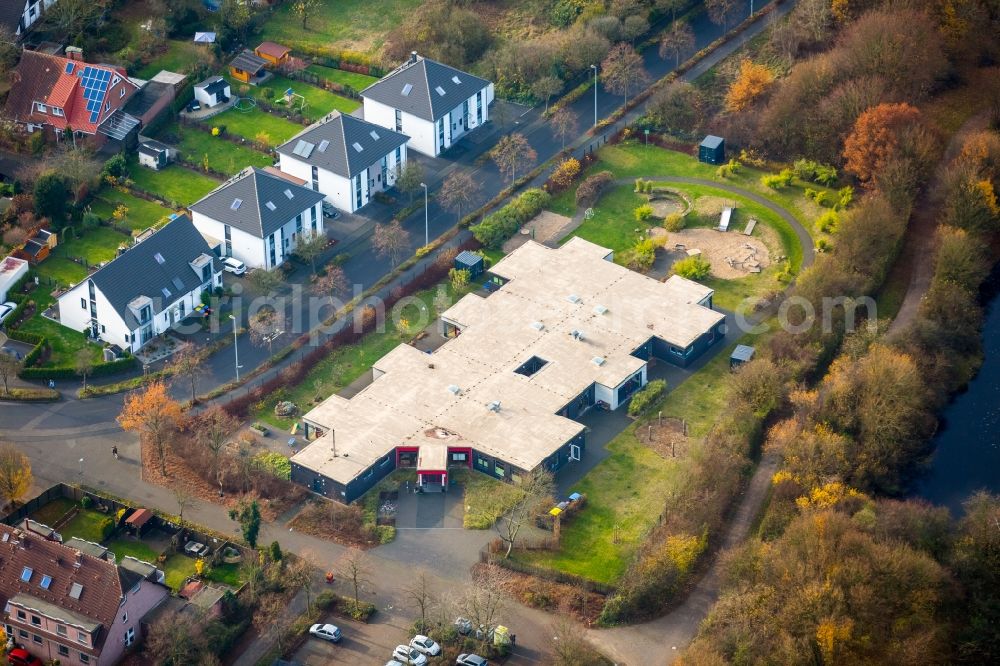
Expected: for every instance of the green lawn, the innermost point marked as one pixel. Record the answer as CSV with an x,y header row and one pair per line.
x,y
345,364
356,81
613,225
63,271
174,184
86,525
626,491
142,214
356,24
181,56
177,569
94,245
249,124
318,102
485,499
195,144
136,549
53,511
227,574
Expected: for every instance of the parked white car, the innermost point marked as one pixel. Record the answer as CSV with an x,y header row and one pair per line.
x,y
6,309
196,549
234,266
471,660
328,632
408,655
425,645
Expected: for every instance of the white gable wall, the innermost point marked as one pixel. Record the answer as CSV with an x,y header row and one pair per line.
x,y
75,316
338,190
255,251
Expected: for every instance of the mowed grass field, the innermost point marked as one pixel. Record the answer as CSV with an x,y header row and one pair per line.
x,y
174,183
359,25
249,124
196,144
356,81
142,214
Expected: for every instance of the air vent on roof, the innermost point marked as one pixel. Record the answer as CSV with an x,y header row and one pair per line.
x,y
494,406
303,148
573,298
537,325
374,135
6,537
577,335
76,590
456,79
178,285
323,145
270,205
288,193
406,89
440,91
236,204
165,292
598,361
454,389
600,309
159,258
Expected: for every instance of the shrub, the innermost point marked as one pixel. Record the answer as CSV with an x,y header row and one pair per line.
x,y
641,256
693,268
501,225
640,185
86,502
274,464
827,222
646,396
729,169
779,180
116,166
275,552
844,197
565,173
673,222
107,528
643,212
592,187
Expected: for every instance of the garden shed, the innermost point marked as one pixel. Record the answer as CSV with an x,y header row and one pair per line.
x,y
742,354
138,520
154,154
712,150
470,261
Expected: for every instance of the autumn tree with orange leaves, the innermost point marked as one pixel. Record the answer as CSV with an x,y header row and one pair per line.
x,y
875,139
154,415
752,81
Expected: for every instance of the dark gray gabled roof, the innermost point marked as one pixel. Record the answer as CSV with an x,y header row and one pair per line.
x,y
254,188
151,266
10,14
152,148
248,61
213,84
333,143
417,86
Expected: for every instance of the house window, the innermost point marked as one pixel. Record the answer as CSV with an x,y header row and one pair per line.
x,y
312,213
479,107
357,191
35,620
399,155
121,93
125,616
441,133
182,309
36,638
298,223
21,615
315,179
146,334
56,111
145,313
399,120
61,629
499,469
84,658
22,633
103,330
81,637
41,107
483,464
63,651
130,636
228,232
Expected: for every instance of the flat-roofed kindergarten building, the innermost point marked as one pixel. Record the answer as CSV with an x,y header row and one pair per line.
x,y
562,330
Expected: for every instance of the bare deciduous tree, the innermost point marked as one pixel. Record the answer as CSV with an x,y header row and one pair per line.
x,y
486,598
458,190
421,593
15,474
187,364
175,639
721,12
265,326
511,153
83,363
564,125
184,499
545,87
622,70
310,246
331,283
263,281
534,487
213,428
390,240
301,574
354,567
677,42
9,367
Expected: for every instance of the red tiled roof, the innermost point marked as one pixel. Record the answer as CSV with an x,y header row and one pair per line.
x,y
40,77
101,592
139,518
272,49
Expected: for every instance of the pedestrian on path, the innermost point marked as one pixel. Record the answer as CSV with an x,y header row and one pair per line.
x,y
114,452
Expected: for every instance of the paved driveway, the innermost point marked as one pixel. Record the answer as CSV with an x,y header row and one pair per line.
x,y
361,644
426,511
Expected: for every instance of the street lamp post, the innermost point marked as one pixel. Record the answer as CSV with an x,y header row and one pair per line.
x,y
81,466
236,347
594,67
427,229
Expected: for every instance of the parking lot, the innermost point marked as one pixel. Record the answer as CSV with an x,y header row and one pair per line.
x,y
362,643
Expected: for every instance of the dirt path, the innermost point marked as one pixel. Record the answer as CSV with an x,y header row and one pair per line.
x,y
919,244
662,640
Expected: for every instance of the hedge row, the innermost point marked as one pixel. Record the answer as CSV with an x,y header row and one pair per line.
x,y
501,225
98,370
30,395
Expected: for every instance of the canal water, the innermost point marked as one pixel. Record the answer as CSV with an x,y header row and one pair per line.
x,y
967,447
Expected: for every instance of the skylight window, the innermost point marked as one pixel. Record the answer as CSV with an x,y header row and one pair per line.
x,y
165,292
159,258
406,89
26,574
270,205
303,148
598,361
323,145
69,68
236,204
178,285
76,590
288,193
46,581
455,79
374,134
440,91
357,146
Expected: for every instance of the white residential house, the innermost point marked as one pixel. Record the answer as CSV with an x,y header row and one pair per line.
x,y
20,15
346,159
259,216
432,103
151,287
213,91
